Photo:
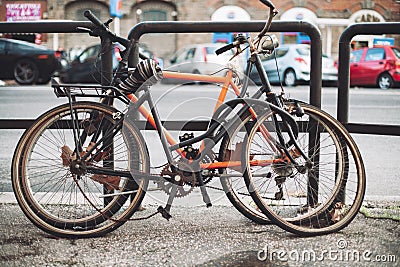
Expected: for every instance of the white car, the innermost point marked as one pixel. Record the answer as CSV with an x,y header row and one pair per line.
x,y
293,61
201,59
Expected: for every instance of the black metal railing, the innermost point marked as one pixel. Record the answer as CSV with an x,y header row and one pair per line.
x,y
277,26
173,27
206,26
344,77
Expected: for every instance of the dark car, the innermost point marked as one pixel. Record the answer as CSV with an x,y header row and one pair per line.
x,y
27,63
376,66
86,67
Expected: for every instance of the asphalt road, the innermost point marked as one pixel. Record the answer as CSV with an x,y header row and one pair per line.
x,y
218,236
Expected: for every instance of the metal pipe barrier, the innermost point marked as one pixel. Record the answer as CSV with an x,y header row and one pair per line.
x,y
63,26
174,27
344,77
253,26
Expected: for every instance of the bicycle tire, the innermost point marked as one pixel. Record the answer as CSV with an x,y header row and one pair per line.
x,y
302,213
238,194
233,185
64,204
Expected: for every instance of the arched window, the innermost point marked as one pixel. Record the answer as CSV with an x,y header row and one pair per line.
x,y
154,15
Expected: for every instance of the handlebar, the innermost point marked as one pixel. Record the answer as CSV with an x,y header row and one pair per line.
x,y
272,13
90,16
268,4
102,29
225,48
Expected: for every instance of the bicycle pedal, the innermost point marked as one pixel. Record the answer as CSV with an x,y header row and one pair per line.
x,y
164,213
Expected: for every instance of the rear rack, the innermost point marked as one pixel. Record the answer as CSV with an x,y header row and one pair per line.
x,y
81,90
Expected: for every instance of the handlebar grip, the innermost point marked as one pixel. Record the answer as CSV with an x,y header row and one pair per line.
x,y
224,48
268,3
90,16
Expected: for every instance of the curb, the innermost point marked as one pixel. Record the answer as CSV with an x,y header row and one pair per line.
x,y
381,210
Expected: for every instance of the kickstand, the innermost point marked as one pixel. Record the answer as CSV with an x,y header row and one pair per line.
x,y
165,211
203,190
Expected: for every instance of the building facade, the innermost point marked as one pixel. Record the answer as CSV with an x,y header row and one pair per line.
x,y
330,16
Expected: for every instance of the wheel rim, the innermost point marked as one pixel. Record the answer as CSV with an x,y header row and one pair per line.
x,y
384,82
25,72
326,216
290,78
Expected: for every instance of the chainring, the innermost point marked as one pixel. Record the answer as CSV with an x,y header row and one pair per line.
x,y
185,187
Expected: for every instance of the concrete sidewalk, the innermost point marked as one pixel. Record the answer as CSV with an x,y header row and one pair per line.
x,y
218,236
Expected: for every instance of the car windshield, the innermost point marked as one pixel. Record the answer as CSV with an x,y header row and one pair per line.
x,y
210,50
89,52
356,55
280,52
396,52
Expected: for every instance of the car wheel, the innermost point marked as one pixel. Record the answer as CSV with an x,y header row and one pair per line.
x,y
385,81
26,72
289,78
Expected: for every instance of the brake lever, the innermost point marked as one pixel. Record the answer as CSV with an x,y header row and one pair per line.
x,y
240,39
107,23
238,51
87,30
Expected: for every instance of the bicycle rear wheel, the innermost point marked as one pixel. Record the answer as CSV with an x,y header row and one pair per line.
x,y
64,201
232,180
321,199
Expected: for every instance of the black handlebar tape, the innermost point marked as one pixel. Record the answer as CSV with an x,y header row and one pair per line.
x,y
90,16
268,3
224,48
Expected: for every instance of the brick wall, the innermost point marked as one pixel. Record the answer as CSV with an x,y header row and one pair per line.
x,y
203,9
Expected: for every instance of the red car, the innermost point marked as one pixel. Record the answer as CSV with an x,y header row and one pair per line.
x,y
377,66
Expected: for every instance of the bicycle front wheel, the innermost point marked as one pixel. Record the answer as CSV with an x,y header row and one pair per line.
x,y
320,199
63,200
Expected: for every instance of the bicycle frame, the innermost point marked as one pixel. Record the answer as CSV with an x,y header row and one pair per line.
x,y
169,143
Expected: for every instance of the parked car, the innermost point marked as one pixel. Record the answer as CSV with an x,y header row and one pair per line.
x,y
27,63
86,67
292,66
376,66
201,59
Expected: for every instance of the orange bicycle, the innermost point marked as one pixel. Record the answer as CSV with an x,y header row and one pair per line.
x,y
83,168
